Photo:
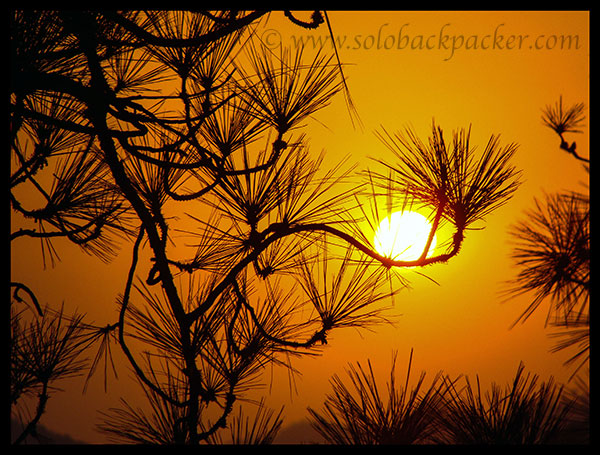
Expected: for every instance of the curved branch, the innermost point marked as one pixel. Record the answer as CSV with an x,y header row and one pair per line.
x,y
384,260
564,145
41,408
21,286
161,41
48,213
434,226
319,335
121,325
278,231
316,19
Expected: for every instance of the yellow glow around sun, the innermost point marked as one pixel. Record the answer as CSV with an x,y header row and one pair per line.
x,y
403,236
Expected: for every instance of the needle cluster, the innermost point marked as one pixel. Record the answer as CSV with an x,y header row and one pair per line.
x,y
552,251
447,411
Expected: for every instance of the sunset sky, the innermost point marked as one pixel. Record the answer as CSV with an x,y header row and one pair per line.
x,y
493,71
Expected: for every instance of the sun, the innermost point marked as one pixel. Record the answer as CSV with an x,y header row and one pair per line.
x,y
402,236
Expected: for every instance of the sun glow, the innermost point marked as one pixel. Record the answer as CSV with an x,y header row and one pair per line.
x,y
403,236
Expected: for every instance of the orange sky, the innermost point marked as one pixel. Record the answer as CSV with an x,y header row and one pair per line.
x,y
460,326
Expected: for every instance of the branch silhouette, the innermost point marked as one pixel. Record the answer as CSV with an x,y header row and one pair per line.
x,y
447,411
138,127
552,251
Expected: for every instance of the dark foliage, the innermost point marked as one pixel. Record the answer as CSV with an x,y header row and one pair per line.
x,y
552,251
448,411
137,128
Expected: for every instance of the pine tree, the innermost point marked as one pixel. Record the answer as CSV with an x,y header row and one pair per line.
x,y
146,129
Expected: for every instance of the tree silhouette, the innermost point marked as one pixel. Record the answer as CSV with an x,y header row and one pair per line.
x,y
361,415
42,352
552,250
553,255
523,413
448,411
143,128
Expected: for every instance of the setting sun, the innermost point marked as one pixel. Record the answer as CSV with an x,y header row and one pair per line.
x,y
403,236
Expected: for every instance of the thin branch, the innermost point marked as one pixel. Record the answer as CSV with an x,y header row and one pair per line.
x,y
173,42
21,287
318,336
30,428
